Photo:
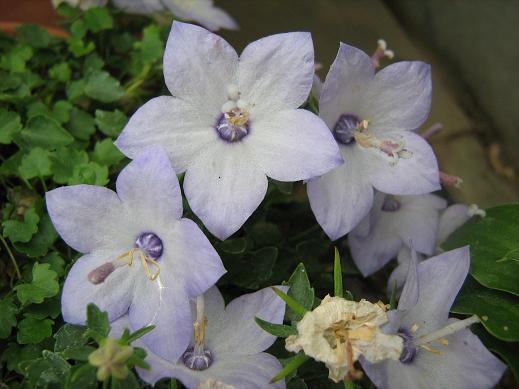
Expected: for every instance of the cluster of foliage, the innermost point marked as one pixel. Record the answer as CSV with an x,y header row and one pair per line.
x,y
63,100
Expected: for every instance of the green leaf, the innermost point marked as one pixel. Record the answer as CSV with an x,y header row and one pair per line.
x,y
43,131
101,86
337,274
61,111
279,330
256,270
15,59
98,19
297,383
494,247
105,153
81,124
69,336
138,334
83,377
234,246
300,290
265,234
110,123
38,108
498,311
57,264
41,242
33,35
292,365
63,162
34,330
22,231
49,371
147,51
89,173
36,163
10,125
76,90
51,307
44,284
298,309
60,72
8,313
97,323
16,355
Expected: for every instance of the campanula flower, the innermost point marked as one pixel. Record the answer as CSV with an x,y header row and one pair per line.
x,y
233,121
139,255
371,116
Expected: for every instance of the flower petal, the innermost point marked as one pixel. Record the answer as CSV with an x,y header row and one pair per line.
x,y
416,175
276,72
198,66
189,259
399,97
341,198
114,295
439,281
241,371
224,187
142,7
88,217
411,290
399,274
451,219
167,308
345,83
149,186
180,127
294,145
203,12
463,363
238,333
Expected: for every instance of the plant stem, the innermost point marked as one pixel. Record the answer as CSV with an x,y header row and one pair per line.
x,y
349,384
173,384
13,259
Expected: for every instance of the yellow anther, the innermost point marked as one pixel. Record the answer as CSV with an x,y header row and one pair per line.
x,y
199,327
443,341
430,349
414,328
145,260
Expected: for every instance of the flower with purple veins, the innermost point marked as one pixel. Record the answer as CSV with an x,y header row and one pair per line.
x,y
140,256
438,351
451,218
234,121
393,223
227,348
371,116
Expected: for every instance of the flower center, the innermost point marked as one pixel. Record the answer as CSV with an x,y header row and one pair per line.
x,y
233,124
148,248
350,129
412,343
391,204
198,357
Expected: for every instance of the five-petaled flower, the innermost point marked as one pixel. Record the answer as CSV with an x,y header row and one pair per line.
x,y
371,116
438,351
140,256
233,121
228,353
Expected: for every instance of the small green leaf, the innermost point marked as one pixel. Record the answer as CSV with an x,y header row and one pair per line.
x,y
298,309
300,290
41,242
138,334
105,153
16,58
64,161
337,275
110,123
57,264
279,330
81,124
8,313
292,365
22,231
10,125
60,72
498,311
101,86
61,111
234,246
97,323
98,19
68,336
494,247
48,372
33,35
90,173
34,330
43,131
36,163
16,355
44,284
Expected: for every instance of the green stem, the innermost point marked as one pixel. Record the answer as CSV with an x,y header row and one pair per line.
x,y
349,384
337,275
13,259
43,184
173,384
105,383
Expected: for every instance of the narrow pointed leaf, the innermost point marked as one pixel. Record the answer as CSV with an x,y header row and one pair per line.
x,y
292,304
279,330
337,275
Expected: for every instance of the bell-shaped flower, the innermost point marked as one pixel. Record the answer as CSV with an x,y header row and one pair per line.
x,y
451,218
140,256
371,116
227,349
234,121
339,331
393,223
199,11
438,352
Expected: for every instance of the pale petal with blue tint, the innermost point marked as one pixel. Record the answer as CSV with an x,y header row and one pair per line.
x,y
203,12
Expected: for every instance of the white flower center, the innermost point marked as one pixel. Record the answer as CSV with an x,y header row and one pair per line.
x,y
233,125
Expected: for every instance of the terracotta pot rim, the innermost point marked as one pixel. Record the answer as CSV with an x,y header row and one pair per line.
x,y
10,28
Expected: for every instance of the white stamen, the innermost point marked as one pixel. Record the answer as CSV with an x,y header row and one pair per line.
x,y
382,44
474,210
242,104
446,331
228,106
233,92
